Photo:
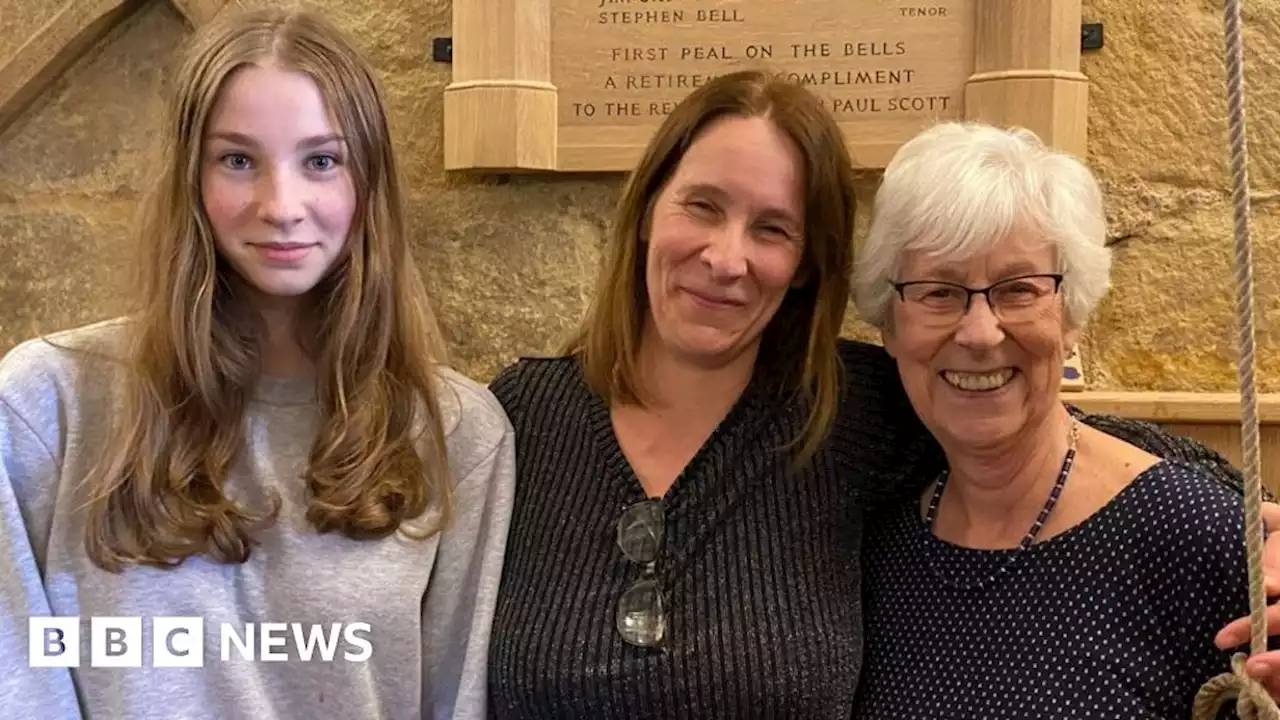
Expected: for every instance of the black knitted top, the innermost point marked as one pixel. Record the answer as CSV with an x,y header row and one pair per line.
x,y
760,572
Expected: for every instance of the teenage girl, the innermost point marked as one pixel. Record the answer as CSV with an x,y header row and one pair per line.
x,y
270,437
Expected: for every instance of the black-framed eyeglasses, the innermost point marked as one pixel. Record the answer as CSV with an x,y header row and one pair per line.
x,y
1012,300
641,616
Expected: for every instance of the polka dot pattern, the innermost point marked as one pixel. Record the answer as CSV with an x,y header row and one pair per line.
x,y
1112,619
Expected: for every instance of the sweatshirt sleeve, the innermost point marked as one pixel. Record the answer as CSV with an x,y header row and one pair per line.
x,y
25,463
463,592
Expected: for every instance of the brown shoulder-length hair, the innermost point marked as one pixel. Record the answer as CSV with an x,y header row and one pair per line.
x,y
798,352
157,496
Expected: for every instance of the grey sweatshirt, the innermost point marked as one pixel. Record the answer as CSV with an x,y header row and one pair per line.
x,y
426,605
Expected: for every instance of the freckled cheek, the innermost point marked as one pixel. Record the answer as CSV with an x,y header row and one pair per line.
x,y
226,204
334,207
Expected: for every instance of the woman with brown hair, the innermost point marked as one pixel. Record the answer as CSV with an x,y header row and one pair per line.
x,y
270,438
696,470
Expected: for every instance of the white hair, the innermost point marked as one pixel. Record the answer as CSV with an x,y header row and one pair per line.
x,y
958,188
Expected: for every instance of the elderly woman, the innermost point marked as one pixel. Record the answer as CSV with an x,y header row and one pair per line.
x,y
1050,570
695,469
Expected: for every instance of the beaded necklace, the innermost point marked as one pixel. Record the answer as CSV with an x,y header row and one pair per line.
x,y
1032,533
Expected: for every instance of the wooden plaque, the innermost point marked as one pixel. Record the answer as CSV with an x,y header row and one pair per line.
x,y
581,85
884,71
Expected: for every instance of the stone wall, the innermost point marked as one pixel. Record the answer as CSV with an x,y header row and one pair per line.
x,y
511,260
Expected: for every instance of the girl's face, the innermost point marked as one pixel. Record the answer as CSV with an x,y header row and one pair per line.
x,y
275,182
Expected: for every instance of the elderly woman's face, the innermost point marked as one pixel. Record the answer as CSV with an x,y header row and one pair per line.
x,y
980,376
725,238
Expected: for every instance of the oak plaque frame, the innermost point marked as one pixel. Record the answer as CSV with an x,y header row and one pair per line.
x,y
503,111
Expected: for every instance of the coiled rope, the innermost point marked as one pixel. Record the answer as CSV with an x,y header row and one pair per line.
x,y
1252,700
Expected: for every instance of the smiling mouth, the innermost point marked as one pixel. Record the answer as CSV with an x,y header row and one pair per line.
x,y
284,254
978,382
713,301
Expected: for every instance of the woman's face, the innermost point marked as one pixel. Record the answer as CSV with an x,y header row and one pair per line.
x,y
978,378
725,239
275,182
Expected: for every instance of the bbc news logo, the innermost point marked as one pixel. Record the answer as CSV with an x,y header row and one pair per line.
x,y
178,642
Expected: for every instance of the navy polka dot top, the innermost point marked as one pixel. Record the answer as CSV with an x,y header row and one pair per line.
x,y
1114,618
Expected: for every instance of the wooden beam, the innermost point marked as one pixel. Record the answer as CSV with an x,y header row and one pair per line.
x,y
199,12
1175,407
1211,418
42,59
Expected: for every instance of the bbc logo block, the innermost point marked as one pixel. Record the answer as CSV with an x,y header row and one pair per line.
x,y
177,642
116,642
53,641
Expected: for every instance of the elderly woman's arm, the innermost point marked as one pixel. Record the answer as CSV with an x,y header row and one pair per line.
x,y
1149,437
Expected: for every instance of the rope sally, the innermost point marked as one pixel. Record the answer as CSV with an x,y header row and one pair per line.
x,y
1252,700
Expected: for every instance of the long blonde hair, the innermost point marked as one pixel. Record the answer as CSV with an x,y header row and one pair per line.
x,y
157,496
798,350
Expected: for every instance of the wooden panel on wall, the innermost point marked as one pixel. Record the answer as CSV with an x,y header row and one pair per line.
x,y
582,85
1211,418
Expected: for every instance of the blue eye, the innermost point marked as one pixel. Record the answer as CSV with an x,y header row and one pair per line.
x,y
323,162
235,160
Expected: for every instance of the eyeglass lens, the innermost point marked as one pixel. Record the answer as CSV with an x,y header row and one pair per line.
x,y
1013,300
641,618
